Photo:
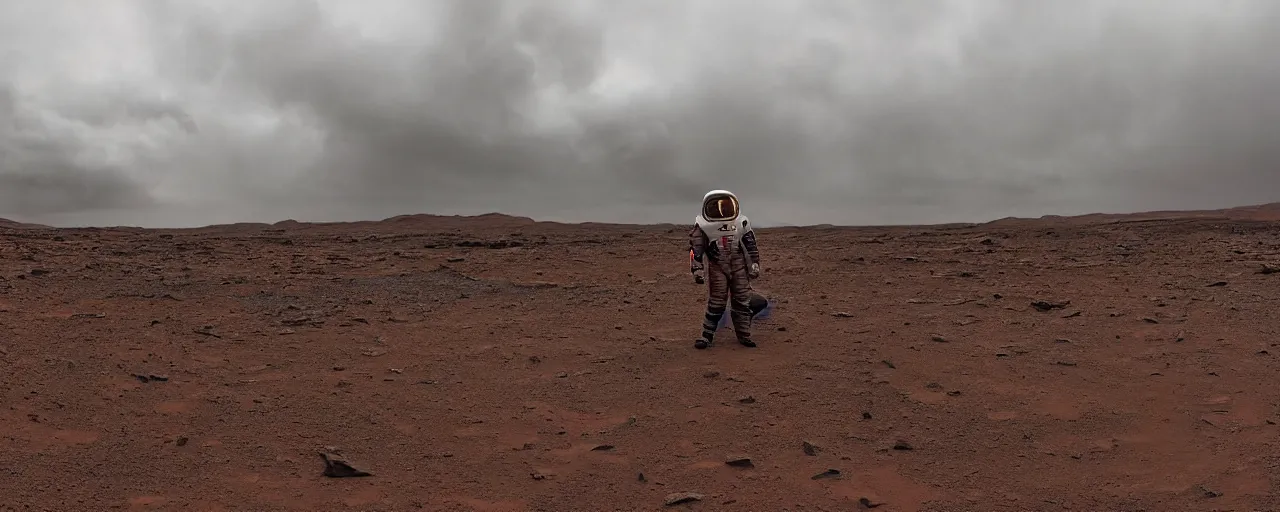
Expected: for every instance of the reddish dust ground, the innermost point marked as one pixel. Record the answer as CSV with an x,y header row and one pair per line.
x,y
494,363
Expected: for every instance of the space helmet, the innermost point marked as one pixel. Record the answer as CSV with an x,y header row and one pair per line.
x,y
719,206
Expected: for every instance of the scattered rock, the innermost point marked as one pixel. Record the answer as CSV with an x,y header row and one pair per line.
x,y
866,503
1044,305
747,400
39,272
810,449
1072,314
1216,284
1065,363
456,260
888,363
640,477
602,448
181,441
830,473
739,461
150,378
206,331
89,315
842,314
295,322
1150,320
1209,493
681,498
1269,269
866,415
939,339
373,352
711,374
903,446
537,476
335,466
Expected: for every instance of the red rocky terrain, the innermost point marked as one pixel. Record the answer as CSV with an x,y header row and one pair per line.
x,y
494,363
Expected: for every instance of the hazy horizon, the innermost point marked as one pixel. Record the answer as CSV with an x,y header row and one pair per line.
x,y
129,219
172,113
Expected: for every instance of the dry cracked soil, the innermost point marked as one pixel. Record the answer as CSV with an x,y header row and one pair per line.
x,y
492,363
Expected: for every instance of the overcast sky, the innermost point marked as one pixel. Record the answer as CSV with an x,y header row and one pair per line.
x,y
178,113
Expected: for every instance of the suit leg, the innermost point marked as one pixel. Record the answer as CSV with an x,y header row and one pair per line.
x,y
717,297
740,291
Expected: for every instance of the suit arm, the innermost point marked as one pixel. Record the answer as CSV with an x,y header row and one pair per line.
x,y
697,247
749,242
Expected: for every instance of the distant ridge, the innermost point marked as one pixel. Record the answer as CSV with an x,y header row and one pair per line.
x,y
1268,212
13,224
1260,212
493,219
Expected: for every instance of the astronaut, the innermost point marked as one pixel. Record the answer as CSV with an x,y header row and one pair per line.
x,y
723,244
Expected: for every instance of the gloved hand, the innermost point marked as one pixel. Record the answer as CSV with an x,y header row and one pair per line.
x,y
698,275
754,271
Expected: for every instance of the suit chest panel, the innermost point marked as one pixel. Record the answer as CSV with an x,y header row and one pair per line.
x,y
724,235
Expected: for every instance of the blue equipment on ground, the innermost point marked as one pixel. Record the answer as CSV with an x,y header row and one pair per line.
x,y
761,308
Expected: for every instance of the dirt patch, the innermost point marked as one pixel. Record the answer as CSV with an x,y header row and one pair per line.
x,y
496,363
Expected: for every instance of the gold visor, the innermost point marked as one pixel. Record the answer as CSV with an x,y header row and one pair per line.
x,y
720,208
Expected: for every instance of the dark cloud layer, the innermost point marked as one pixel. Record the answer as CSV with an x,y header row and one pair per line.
x,y
40,172
816,111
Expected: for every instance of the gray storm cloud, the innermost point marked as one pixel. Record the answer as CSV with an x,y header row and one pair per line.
x,y
836,111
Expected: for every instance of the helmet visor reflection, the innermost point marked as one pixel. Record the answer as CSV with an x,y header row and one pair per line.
x,y
720,208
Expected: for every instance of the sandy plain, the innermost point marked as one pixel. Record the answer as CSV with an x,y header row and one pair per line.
x,y
493,363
